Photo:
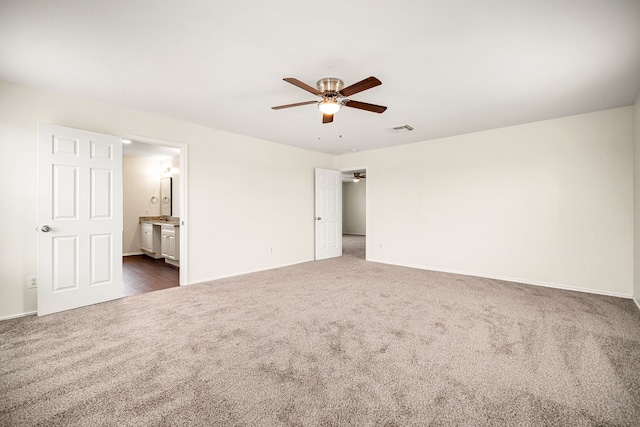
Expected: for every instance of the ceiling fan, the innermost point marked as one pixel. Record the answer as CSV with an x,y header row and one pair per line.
x,y
357,176
332,92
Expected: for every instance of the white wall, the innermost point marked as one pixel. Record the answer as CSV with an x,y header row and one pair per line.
x,y
354,215
245,195
546,203
18,213
636,216
140,182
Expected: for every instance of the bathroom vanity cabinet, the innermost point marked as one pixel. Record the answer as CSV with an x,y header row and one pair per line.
x,y
170,243
161,238
150,240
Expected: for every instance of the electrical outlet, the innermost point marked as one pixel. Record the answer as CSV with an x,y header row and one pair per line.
x,y
270,250
32,282
380,245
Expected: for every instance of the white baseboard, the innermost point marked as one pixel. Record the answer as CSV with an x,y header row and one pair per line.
x,y
515,280
248,272
15,316
637,301
133,253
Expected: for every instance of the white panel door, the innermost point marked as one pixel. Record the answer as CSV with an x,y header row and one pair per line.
x,y
79,218
328,214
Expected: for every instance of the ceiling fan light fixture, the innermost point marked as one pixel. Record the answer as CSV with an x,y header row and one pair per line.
x,y
329,106
356,179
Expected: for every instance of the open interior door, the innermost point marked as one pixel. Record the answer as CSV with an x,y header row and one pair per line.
x,y
79,218
328,213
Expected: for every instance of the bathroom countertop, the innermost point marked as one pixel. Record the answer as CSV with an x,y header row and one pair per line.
x,y
158,220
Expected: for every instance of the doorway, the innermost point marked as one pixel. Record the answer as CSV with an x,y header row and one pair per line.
x,y
81,217
354,212
153,190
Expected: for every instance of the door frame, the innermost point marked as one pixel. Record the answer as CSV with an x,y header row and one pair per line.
x,y
184,178
366,201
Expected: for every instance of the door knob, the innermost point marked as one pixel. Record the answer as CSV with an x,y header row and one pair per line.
x,y
46,228
318,218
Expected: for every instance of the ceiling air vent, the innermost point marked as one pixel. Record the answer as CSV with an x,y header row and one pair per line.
x,y
403,128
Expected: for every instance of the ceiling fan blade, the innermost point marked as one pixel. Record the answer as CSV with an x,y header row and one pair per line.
x,y
280,107
327,118
302,85
364,106
365,84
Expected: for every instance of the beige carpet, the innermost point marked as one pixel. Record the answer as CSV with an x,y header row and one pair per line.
x,y
336,342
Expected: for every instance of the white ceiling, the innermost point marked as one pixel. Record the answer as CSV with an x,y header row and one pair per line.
x,y
447,67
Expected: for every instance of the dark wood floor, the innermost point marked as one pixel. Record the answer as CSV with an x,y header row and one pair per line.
x,y
141,274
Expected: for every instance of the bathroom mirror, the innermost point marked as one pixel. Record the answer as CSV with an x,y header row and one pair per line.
x,y
165,196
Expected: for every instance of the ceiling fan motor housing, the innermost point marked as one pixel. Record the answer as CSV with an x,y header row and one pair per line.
x,y
330,86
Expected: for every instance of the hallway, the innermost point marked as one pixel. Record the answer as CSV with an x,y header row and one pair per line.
x,y
354,245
